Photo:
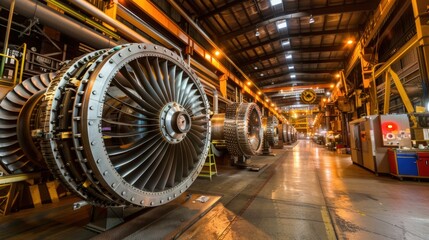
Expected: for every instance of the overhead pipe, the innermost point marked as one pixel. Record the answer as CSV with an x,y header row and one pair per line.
x,y
60,22
135,20
120,27
66,25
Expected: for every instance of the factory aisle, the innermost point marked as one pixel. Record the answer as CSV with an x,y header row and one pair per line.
x,y
309,192
304,192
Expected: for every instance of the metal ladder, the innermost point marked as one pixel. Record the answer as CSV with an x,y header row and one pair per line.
x,y
209,168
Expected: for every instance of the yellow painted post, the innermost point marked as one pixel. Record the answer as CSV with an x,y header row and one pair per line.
x,y
405,99
401,91
223,81
386,93
21,72
52,189
35,195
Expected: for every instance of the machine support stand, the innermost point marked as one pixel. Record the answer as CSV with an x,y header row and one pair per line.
x,y
239,161
266,151
103,219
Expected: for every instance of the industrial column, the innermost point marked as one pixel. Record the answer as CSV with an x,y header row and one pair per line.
x,y
421,16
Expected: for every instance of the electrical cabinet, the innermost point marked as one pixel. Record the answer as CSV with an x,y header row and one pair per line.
x,y
409,163
367,146
371,136
392,162
423,163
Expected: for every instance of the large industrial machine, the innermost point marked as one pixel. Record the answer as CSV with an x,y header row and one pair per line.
x,y
241,129
372,136
271,137
126,126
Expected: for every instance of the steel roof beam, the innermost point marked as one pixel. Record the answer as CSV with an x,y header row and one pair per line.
x,y
296,13
291,51
294,35
269,89
288,82
220,9
285,64
280,82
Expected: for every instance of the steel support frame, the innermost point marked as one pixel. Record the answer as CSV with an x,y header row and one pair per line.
x,y
421,7
402,93
373,27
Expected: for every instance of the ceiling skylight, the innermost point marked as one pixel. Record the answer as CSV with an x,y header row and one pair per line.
x,y
275,2
281,24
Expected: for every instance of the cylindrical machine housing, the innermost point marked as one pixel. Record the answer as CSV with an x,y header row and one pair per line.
x,y
218,123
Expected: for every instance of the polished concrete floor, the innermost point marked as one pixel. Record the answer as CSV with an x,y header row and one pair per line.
x,y
304,192
308,192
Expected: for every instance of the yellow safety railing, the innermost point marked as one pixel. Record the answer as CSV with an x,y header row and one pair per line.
x,y
15,72
17,66
24,54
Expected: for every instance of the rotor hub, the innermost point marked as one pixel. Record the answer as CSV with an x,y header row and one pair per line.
x,y
175,122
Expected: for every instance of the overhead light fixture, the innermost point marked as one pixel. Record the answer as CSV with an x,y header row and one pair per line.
x,y
349,42
281,24
261,74
332,85
275,2
337,75
293,76
256,68
288,56
217,53
291,67
272,104
249,83
257,33
328,93
285,42
259,92
311,19
208,57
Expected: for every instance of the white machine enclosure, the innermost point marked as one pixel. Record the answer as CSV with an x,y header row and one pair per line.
x,y
369,143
